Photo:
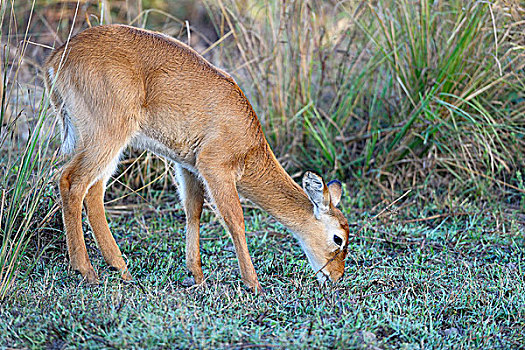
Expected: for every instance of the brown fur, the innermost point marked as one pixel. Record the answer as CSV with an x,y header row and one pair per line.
x,y
118,85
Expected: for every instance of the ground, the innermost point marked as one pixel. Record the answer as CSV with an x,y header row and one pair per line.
x,y
455,280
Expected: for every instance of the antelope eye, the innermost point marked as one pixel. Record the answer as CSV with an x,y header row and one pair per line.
x,y
338,240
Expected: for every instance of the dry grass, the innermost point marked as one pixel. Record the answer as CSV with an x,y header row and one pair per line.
x,y
397,89
387,95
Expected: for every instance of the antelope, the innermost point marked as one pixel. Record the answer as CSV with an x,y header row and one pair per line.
x,y
116,85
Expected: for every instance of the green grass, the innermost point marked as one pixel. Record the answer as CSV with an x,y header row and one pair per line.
x,y
442,283
386,95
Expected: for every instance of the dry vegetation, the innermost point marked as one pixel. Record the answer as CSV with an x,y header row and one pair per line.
x,y
386,95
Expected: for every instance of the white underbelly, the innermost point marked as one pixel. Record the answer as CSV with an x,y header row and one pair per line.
x,y
182,157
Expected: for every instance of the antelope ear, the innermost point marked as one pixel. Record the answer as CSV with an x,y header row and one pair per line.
x,y
336,190
318,193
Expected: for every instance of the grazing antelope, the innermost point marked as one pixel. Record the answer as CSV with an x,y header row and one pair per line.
x,y
118,85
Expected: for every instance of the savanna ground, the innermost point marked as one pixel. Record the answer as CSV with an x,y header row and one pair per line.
x,y
418,107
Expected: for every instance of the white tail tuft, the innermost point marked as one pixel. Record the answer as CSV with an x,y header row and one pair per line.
x,y
67,127
69,137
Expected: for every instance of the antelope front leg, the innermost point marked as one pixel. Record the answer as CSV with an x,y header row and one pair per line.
x,y
192,196
224,193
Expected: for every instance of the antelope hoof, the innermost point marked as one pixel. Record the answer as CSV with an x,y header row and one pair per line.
x,y
124,272
197,277
86,270
90,276
192,281
256,288
126,276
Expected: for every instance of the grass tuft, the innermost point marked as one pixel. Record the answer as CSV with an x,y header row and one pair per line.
x,y
27,163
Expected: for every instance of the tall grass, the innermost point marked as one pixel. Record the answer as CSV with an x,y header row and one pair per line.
x,y
384,88
390,90
454,66
27,164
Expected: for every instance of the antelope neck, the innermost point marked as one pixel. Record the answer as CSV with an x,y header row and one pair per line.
x,y
267,184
